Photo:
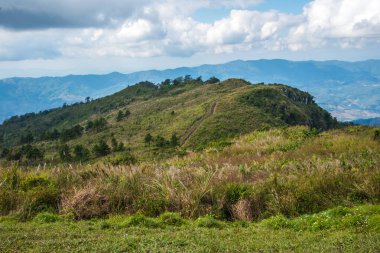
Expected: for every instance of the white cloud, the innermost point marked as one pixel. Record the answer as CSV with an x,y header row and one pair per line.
x,y
28,45
166,28
139,30
348,23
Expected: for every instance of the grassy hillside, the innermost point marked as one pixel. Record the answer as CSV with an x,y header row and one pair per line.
x,y
179,114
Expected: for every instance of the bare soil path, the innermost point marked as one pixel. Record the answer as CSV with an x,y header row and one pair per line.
x,y
197,124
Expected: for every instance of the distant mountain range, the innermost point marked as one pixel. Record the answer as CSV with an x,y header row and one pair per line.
x,y
368,122
349,90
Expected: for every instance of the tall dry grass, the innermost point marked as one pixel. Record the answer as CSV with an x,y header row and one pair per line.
x,y
283,171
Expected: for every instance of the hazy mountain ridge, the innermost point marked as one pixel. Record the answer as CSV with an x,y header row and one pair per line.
x,y
369,122
349,90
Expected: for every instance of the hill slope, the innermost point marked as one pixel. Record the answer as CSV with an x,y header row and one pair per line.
x,y
190,113
349,90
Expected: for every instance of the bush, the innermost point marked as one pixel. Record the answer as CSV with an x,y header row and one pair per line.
x,y
101,149
125,158
235,192
105,225
276,222
152,205
140,220
376,135
33,181
37,200
209,222
46,217
172,219
81,153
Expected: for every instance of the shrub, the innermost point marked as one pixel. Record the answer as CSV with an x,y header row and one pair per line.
x,y
276,222
101,149
105,225
209,222
172,219
81,153
37,200
33,181
140,220
235,192
125,158
46,217
376,135
151,204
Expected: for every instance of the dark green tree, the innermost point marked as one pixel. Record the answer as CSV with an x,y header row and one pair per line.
x,y
71,133
14,155
376,135
27,138
81,153
33,153
89,125
212,80
148,139
117,146
178,81
51,135
64,153
120,116
174,141
160,141
127,113
187,78
101,149
4,153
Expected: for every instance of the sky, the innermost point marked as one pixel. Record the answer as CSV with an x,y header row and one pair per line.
x,y
60,37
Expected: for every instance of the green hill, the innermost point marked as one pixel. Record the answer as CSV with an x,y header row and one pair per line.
x,y
148,121
272,187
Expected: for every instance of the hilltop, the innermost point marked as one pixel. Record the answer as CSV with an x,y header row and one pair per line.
x,y
333,84
148,121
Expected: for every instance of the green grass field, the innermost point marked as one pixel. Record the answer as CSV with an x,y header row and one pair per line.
x,y
336,230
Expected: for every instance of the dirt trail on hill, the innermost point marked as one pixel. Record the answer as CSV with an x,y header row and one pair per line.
x,y
198,123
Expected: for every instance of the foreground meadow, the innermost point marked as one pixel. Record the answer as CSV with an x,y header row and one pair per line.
x,y
281,190
336,230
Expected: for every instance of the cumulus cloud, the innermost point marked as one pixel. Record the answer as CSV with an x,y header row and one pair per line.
x,y
28,45
347,23
147,28
43,14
